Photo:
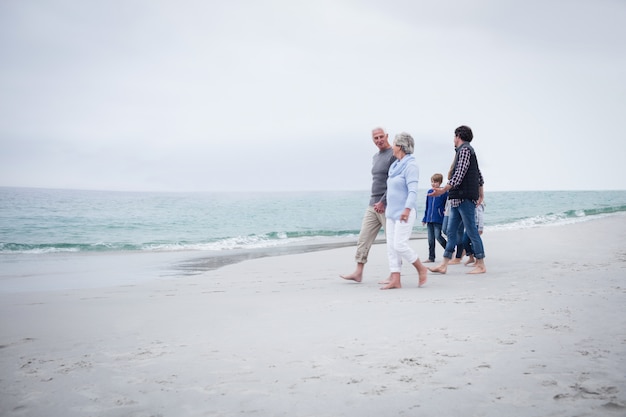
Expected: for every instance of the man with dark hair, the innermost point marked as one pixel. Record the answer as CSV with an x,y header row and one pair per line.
x,y
465,192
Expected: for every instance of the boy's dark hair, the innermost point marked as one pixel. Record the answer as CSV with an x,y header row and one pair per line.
x,y
465,133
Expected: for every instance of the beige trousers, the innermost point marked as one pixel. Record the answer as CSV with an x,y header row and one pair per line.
x,y
371,225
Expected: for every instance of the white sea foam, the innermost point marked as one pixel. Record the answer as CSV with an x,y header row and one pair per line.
x,y
49,221
550,220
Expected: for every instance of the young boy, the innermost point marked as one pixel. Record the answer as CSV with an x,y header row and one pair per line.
x,y
433,216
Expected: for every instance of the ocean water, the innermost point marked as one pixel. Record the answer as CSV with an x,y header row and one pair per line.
x,y
42,221
53,240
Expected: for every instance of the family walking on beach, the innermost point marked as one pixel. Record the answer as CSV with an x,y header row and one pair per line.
x,y
393,206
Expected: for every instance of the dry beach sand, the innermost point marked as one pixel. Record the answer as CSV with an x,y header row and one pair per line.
x,y
543,333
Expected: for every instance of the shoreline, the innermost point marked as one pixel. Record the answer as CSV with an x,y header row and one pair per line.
x,y
24,270
540,334
204,262
67,270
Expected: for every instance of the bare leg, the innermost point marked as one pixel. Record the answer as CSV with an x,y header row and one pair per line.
x,y
457,260
479,267
442,268
394,282
357,275
422,272
470,261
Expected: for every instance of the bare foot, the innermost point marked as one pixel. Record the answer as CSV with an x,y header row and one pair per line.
x,y
391,286
385,281
455,261
429,261
478,269
470,261
422,272
352,277
423,278
394,282
357,275
441,269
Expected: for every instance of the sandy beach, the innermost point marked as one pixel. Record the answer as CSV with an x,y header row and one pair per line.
x,y
543,333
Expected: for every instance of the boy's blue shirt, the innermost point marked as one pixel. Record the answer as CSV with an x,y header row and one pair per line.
x,y
435,207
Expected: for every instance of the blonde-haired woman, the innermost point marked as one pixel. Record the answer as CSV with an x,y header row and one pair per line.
x,y
401,211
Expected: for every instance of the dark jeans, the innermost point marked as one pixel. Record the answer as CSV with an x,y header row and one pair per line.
x,y
459,237
459,241
467,244
434,233
465,213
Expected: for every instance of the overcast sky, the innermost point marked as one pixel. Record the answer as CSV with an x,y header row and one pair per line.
x,y
282,95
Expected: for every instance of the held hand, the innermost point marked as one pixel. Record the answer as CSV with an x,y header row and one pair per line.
x,y
439,191
379,207
436,192
404,217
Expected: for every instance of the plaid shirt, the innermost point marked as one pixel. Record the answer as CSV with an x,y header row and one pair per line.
x,y
462,165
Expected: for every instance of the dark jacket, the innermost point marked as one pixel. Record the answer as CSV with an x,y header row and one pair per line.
x,y
434,208
468,189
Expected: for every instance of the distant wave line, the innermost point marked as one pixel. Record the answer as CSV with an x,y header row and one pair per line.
x,y
557,219
267,240
286,238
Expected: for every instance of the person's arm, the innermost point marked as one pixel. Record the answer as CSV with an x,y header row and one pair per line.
x,y
379,207
480,217
462,165
411,176
481,196
481,182
382,203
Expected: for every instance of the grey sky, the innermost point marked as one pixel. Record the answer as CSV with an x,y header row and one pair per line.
x,y
282,95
